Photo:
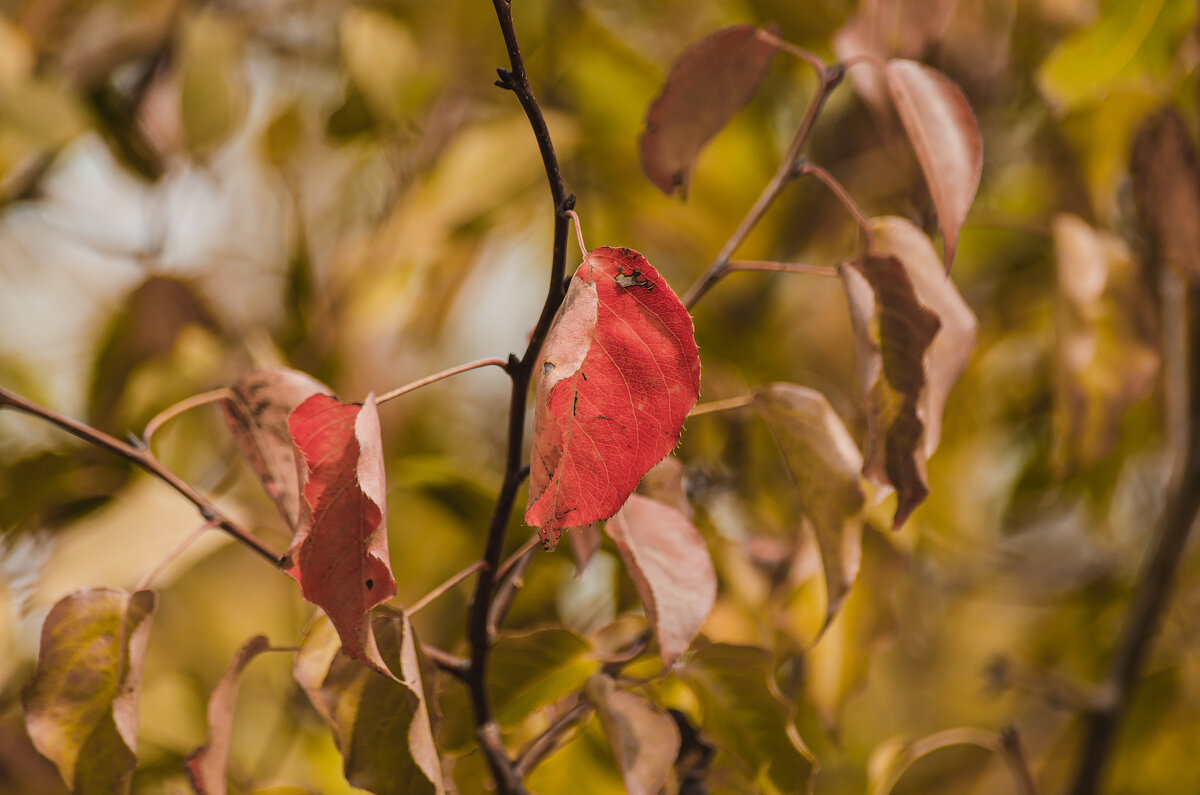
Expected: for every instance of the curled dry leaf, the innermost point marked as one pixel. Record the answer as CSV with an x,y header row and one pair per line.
x,y
1106,340
914,335
665,482
207,765
643,738
893,331
826,466
378,713
945,136
671,567
708,84
585,541
257,414
339,554
1166,190
81,708
617,376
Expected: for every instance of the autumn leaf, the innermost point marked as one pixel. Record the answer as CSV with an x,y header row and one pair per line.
x,y
1166,190
893,330
825,464
708,84
257,414
743,714
945,136
585,542
671,568
379,714
617,376
207,765
643,738
81,708
339,554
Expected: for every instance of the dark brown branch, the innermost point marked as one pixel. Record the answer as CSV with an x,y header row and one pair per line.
x,y
515,79
1153,587
142,457
828,79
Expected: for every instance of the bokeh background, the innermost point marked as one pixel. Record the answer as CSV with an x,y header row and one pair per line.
x,y
190,189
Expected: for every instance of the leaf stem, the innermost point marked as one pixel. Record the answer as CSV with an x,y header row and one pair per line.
x,y
831,182
171,412
721,405
173,554
793,50
429,379
583,249
452,581
141,457
544,744
785,173
780,267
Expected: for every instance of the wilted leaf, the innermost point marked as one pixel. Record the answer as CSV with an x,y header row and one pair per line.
x,y
893,758
1106,337
379,715
826,466
671,567
837,666
893,331
1166,189
665,483
709,83
257,414
643,738
617,376
744,716
950,351
942,129
340,554
206,766
81,709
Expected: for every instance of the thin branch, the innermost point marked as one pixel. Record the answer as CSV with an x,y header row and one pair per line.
x,y
1154,584
173,554
545,743
727,404
429,379
520,370
786,172
445,661
516,557
446,586
506,591
831,182
583,249
780,267
141,457
171,412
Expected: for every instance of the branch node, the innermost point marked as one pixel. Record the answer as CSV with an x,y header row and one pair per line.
x,y
834,75
567,204
507,80
140,444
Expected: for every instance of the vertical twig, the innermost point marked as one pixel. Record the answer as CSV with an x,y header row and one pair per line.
x,y
1153,587
487,732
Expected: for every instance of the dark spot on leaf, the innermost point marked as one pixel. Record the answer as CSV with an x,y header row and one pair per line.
x,y
370,583
547,367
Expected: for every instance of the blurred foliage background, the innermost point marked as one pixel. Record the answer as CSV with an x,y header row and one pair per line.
x,y
190,189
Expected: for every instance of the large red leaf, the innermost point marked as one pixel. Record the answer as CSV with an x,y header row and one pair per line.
x,y
670,565
617,376
81,709
206,767
257,414
339,554
708,84
942,129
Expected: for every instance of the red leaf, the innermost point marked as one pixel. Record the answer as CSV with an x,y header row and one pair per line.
x,y
339,554
670,565
709,83
257,414
945,136
206,767
617,376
